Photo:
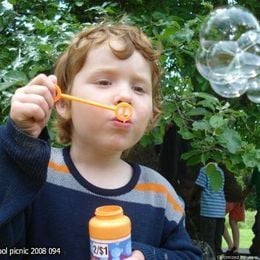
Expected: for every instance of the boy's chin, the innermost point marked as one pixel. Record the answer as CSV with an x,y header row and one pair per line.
x,y
122,147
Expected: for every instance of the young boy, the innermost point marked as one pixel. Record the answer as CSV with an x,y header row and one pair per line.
x,y
212,207
48,195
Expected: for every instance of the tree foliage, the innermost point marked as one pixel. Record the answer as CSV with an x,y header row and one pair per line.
x,y
34,33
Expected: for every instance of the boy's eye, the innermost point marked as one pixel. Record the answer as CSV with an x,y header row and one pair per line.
x,y
104,82
139,89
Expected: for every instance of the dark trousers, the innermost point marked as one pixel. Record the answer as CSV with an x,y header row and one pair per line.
x,y
255,247
211,231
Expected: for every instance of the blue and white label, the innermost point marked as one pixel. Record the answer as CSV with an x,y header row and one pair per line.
x,y
110,249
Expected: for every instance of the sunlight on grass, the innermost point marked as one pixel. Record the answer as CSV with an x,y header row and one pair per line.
x,y
246,233
246,236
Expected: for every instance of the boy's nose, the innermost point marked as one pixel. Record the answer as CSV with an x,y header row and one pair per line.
x,y
123,95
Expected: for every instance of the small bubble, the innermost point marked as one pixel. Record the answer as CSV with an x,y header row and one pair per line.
x,y
253,92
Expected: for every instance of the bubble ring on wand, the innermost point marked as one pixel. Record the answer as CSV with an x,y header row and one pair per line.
x,y
123,111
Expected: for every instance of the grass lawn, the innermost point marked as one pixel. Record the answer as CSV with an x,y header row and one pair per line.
x,y
246,233
246,236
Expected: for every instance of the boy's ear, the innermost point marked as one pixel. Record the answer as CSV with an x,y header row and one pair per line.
x,y
63,109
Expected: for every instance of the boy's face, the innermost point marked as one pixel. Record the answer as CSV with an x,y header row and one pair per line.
x,y
106,79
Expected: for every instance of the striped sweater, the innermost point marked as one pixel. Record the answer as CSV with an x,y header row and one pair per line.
x,y
212,203
45,203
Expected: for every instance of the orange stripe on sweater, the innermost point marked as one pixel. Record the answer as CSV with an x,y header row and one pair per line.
x,y
58,167
158,188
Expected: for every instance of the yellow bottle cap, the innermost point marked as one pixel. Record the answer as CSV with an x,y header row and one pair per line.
x,y
109,223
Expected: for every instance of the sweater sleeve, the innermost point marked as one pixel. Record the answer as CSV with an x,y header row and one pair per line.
x,y
178,246
24,162
171,240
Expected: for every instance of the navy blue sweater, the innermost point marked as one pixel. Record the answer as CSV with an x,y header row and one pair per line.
x,y
45,205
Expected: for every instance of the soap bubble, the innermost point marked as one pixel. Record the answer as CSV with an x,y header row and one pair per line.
x,y
253,92
230,90
222,62
226,24
249,57
202,63
229,55
248,40
221,56
218,65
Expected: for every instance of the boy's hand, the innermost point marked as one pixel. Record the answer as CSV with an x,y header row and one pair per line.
x,y
31,105
136,255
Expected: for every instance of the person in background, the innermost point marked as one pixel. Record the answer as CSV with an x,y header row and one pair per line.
x,y
235,209
212,207
255,183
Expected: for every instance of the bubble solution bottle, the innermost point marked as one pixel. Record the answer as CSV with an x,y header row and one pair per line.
x,y
110,234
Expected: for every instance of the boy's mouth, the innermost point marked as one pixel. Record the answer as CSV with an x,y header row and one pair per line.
x,y
121,124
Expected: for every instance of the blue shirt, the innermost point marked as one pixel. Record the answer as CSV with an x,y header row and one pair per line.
x,y
212,203
46,204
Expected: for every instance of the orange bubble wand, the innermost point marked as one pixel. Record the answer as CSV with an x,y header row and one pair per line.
x,y
123,111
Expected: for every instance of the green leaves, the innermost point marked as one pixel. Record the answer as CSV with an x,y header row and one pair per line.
x,y
13,78
202,125
213,128
215,176
230,140
34,33
216,121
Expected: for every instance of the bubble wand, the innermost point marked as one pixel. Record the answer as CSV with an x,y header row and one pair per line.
x,y
123,111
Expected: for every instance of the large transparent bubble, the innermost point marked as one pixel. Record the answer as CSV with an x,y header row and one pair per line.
x,y
229,55
226,24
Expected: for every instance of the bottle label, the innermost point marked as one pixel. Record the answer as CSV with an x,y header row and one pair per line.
x,y
110,249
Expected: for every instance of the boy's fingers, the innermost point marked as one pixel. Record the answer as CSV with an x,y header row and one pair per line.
x,y
41,91
53,78
48,81
27,110
35,99
31,105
